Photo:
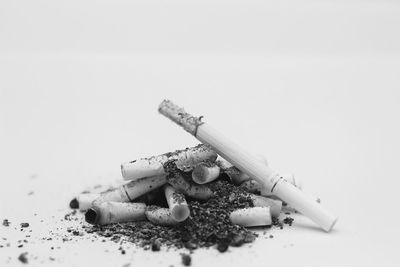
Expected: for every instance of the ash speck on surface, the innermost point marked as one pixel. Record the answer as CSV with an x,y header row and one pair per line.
x,y
6,222
23,257
186,259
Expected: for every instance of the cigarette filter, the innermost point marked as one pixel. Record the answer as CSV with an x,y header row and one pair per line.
x,y
205,173
177,204
248,217
274,205
115,212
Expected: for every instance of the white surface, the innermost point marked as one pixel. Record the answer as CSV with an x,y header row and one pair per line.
x,y
312,85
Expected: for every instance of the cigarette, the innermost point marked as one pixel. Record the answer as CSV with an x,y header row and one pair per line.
x,y
115,212
132,190
83,201
249,217
160,216
249,164
177,204
185,159
274,204
176,179
205,172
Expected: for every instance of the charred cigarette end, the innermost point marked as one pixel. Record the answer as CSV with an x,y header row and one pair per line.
x,y
179,116
249,217
205,173
91,216
160,216
74,204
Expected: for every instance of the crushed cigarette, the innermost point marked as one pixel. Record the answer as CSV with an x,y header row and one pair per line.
x,y
185,159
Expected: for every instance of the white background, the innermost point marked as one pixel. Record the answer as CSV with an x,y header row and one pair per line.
x,y
312,85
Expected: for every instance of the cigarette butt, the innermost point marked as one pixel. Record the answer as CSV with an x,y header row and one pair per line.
x,y
115,212
185,159
248,217
177,204
182,185
274,205
132,190
160,216
83,201
205,172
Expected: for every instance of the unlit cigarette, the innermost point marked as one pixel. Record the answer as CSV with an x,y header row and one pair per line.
x,y
132,190
83,201
154,165
160,216
115,212
249,164
274,204
177,204
248,217
205,172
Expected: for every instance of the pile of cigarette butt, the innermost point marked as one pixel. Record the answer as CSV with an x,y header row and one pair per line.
x,y
189,198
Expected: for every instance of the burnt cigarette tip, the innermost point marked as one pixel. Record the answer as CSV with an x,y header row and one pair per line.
x,y
91,216
74,204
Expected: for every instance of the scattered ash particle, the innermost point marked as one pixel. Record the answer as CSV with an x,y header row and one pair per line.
x,y
155,246
23,257
271,236
222,247
186,259
288,220
30,193
6,222
76,233
20,246
24,225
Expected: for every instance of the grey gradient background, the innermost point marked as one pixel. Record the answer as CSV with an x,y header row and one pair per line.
x,y
312,85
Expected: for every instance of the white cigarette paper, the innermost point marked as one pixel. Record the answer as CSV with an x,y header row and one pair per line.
x,y
132,190
274,205
185,159
160,216
249,164
205,173
177,204
115,212
85,200
249,217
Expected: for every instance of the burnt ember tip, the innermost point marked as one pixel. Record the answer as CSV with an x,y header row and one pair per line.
x,y
91,216
74,204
